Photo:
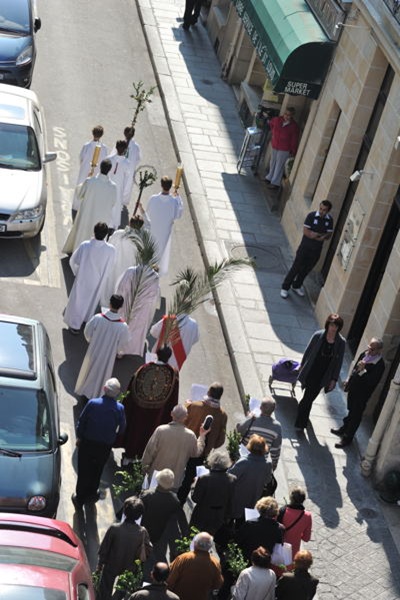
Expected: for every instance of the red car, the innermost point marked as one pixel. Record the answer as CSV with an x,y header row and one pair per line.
x,y
42,559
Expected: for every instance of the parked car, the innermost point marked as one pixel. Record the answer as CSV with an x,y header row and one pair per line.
x,y
18,25
23,182
42,558
30,438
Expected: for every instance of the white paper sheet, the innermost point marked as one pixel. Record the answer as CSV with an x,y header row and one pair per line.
x,y
251,513
201,470
198,391
254,406
243,451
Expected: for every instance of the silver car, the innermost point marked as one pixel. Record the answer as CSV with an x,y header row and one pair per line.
x,y
23,183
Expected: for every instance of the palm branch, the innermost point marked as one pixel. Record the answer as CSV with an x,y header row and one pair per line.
x,y
193,289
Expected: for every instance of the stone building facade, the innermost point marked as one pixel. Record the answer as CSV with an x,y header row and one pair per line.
x,y
352,125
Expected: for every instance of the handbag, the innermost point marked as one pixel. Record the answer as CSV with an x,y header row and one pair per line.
x,y
282,554
270,487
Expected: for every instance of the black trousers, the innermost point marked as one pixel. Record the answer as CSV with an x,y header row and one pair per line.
x,y
311,391
192,12
304,262
92,456
190,474
355,405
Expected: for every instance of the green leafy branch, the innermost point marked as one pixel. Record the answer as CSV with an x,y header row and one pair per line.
x,y
131,581
183,544
142,97
131,480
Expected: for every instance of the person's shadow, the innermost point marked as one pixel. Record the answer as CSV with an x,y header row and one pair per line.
x,y
318,467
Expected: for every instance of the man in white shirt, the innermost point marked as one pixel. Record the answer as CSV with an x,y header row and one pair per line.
x,y
90,263
180,340
163,209
99,197
106,334
140,288
120,174
87,168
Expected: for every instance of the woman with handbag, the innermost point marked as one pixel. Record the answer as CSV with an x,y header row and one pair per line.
x,y
258,581
264,531
296,520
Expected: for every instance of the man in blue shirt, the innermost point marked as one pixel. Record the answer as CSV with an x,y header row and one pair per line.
x,y
98,425
317,228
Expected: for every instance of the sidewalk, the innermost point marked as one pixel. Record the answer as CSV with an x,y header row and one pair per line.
x,y
353,546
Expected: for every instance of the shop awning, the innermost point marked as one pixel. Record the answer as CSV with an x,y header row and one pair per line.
x,y
290,42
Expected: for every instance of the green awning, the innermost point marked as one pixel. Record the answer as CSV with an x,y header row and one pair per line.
x,y
290,42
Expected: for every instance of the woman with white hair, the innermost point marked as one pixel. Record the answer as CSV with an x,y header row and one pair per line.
x,y
213,494
163,517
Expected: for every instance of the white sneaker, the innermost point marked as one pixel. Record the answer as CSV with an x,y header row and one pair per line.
x,y
284,293
299,291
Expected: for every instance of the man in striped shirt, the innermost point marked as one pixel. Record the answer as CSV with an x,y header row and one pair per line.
x,y
266,426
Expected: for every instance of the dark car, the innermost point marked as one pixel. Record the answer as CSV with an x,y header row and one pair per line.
x,y
30,438
42,559
18,25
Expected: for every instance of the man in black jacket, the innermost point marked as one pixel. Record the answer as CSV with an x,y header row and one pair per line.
x,y
364,378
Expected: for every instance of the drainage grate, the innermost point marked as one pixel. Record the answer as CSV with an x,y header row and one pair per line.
x,y
267,258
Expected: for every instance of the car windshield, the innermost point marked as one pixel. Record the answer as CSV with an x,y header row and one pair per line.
x,y
18,148
14,16
29,592
24,420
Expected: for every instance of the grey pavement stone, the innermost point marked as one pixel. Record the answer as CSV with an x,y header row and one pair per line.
x,y
355,555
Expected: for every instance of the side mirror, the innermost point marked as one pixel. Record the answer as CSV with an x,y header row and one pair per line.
x,y
49,156
37,25
62,439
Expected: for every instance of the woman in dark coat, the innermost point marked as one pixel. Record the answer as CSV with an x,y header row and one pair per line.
x,y
252,472
320,365
264,531
213,494
299,584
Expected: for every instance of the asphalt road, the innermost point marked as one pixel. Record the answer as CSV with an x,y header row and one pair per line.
x,y
89,53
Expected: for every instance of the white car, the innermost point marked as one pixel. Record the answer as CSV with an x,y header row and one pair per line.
x,y
23,184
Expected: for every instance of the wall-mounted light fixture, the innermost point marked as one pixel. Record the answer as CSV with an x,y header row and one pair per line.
x,y
340,25
356,176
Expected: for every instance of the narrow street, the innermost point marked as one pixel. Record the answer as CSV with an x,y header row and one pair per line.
x,y
88,56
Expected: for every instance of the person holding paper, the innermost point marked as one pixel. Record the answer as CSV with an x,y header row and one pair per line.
x,y
213,494
172,445
163,517
252,472
263,531
265,425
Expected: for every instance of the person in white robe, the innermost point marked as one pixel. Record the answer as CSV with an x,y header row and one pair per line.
x,y
189,335
99,201
120,173
163,209
140,288
123,241
85,162
90,263
106,334
132,153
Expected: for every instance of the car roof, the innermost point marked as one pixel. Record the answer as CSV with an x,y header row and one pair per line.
x,y
16,104
20,355
38,533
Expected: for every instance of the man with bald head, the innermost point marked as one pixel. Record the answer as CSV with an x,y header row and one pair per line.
x,y
157,590
266,426
171,446
364,378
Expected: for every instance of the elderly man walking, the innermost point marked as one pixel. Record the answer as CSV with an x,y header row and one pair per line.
x,y
195,574
172,445
98,425
266,426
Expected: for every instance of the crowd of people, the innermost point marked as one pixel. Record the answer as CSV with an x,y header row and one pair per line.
x,y
175,442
